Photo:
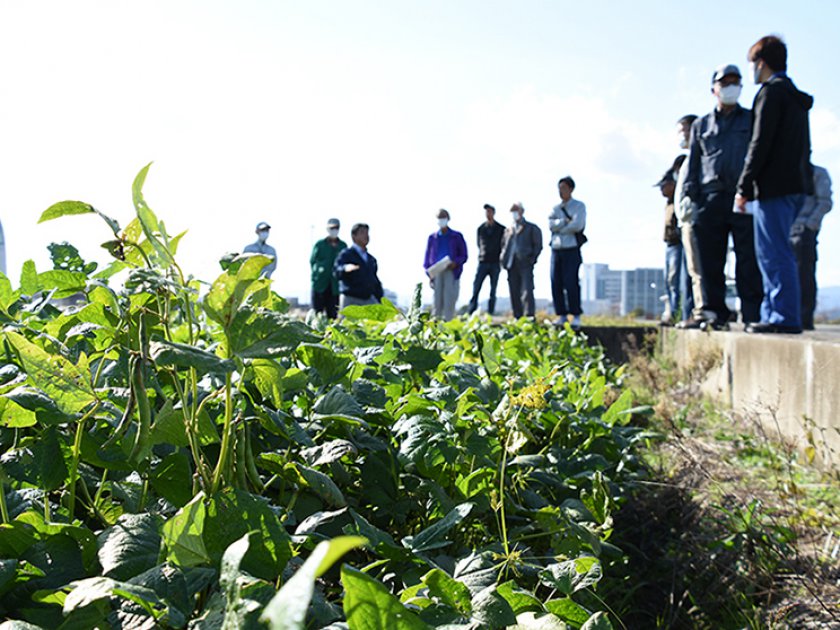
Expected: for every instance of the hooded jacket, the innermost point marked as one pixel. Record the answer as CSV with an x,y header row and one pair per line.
x,y
778,160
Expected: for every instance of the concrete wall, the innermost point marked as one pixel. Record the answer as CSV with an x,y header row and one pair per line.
x,y
790,382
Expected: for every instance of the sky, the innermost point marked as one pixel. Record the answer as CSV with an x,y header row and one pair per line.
x,y
296,112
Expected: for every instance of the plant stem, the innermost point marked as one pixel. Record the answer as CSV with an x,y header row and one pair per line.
x,y
77,455
4,510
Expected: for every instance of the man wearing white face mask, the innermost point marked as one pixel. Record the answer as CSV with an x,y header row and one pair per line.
x,y
717,148
261,247
521,246
324,282
446,253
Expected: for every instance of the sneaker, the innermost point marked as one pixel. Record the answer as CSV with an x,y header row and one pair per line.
x,y
759,328
576,322
559,321
714,325
692,323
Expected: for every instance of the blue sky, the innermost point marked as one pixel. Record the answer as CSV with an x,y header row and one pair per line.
x,y
294,112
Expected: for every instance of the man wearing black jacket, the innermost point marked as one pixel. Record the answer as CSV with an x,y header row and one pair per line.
x,y
777,175
356,270
489,237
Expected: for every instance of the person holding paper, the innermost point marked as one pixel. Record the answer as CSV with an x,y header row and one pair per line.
x,y
446,253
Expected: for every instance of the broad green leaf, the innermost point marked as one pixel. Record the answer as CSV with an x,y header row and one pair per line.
x,y
130,546
261,333
52,470
187,356
152,228
519,599
183,534
168,427
619,411
7,296
287,610
320,484
338,404
571,576
270,547
13,416
268,377
598,621
330,366
449,590
434,536
491,609
170,478
170,584
385,311
568,610
328,452
64,282
65,208
54,375
29,279
369,606
228,291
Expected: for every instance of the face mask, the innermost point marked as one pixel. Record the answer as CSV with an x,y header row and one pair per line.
x,y
756,72
683,141
262,235
333,232
517,216
729,94
443,222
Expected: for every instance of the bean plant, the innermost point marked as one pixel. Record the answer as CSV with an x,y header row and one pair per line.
x,y
179,454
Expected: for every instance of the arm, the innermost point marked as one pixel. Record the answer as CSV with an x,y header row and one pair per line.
x,y
766,116
556,222
691,184
578,219
536,242
459,251
822,192
428,258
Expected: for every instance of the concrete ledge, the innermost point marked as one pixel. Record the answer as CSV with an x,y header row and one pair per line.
x,y
791,383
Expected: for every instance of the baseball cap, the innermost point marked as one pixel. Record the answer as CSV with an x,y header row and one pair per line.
x,y
667,177
487,206
333,223
725,71
262,225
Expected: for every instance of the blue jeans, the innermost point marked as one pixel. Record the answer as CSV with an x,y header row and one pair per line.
x,y
677,282
773,219
565,283
484,270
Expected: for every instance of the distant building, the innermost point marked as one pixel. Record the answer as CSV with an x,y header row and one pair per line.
x,y
606,291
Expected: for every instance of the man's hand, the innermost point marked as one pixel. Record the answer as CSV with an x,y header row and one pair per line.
x,y
451,265
350,267
740,203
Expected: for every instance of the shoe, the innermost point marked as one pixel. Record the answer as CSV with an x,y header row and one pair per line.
x,y
666,323
714,325
765,328
575,322
559,321
690,323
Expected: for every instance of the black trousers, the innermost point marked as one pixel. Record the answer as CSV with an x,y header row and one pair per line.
x,y
485,269
565,281
521,286
325,302
713,224
804,245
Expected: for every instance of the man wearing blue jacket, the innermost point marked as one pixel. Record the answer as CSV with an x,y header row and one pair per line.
x,y
717,148
356,270
777,175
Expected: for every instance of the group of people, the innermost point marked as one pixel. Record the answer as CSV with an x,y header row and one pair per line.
x,y
747,173
344,275
516,248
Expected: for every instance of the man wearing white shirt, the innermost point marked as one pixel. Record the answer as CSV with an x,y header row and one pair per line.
x,y
566,221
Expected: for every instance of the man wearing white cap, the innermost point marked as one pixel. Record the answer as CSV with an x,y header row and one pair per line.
x,y
324,283
261,247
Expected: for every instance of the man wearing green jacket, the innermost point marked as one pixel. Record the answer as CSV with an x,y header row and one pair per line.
x,y
324,283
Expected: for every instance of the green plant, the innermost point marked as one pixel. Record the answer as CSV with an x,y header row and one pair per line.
x,y
171,453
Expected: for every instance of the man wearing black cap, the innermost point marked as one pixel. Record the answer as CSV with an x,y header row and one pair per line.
x,y
717,149
324,283
489,258
261,247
